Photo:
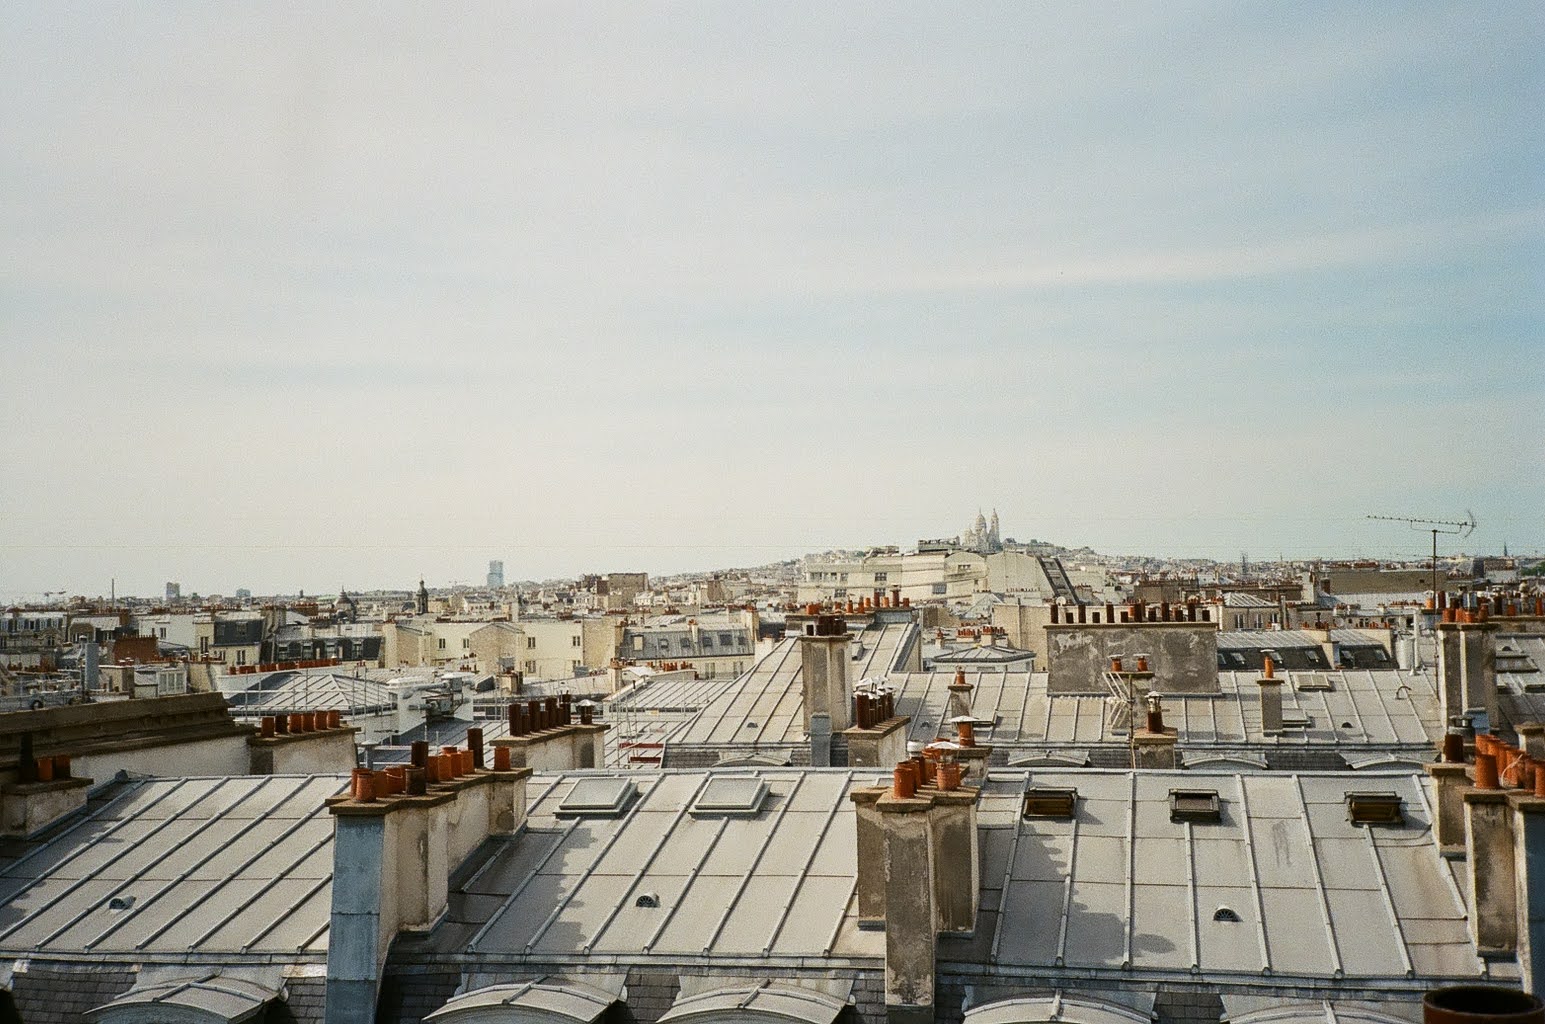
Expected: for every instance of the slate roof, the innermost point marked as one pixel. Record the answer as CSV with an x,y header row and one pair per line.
x,y
704,642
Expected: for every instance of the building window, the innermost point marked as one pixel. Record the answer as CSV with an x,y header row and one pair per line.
x,y
440,643
940,588
576,641
241,655
466,643
531,667
881,577
530,643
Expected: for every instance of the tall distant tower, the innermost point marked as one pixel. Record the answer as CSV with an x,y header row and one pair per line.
x,y
495,575
422,604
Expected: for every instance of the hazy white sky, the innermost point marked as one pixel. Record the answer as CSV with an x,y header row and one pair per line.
x,y
294,296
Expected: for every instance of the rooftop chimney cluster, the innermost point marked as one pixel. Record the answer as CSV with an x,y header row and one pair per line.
x,y
1164,611
1490,813
1479,607
543,713
30,768
873,703
299,723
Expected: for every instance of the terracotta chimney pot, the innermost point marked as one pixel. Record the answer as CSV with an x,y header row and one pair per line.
x,y
1486,772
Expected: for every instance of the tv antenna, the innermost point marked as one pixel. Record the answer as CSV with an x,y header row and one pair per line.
x,y
1435,527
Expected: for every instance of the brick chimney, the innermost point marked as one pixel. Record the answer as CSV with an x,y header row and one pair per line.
x,y
315,743
960,696
1490,862
1271,699
44,791
546,736
827,690
1467,666
393,856
919,869
878,735
1529,885
1153,743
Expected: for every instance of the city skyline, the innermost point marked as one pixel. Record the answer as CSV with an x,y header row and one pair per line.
x,y
349,294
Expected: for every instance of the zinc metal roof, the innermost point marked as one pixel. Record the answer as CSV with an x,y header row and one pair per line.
x,y
785,1002
765,705
1117,889
537,1001
661,879
230,999
675,691
1257,639
1366,708
183,868
1282,886
1058,1007
299,692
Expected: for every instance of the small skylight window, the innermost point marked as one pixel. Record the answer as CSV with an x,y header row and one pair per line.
x,y
1049,802
1199,805
738,795
1313,682
1295,718
597,797
1375,809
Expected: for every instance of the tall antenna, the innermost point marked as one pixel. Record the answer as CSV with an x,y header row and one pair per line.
x,y
1435,527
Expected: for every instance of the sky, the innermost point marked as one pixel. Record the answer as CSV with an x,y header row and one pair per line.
x,y
301,296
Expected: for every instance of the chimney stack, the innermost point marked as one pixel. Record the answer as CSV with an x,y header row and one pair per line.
x,y
1271,699
393,855
918,866
1490,862
1467,667
828,691
1529,872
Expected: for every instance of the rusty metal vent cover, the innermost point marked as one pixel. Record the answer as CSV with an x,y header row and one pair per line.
x,y
1049,802
1198,805
1375,809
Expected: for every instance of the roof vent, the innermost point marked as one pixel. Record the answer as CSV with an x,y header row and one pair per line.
x,y
120,903
1375,809
1049,802
597,798
1224,914
732,795
1196,805
647,899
